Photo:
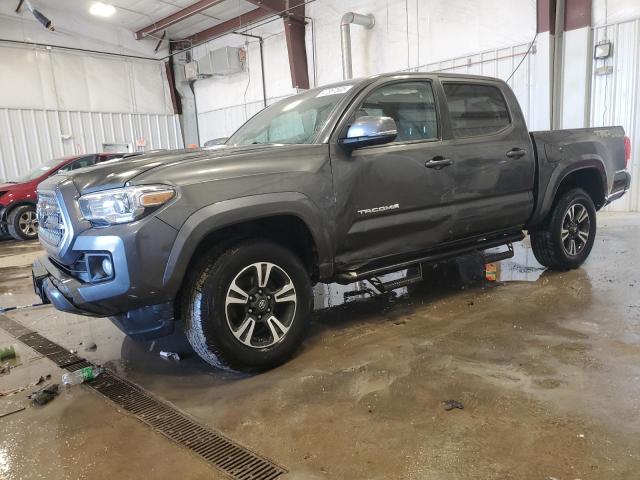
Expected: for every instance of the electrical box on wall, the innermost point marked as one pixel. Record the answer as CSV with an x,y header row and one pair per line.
x,y
191,70
222,62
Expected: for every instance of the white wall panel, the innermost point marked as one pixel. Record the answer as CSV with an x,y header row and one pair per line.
x,y
60,80
615,98
30,137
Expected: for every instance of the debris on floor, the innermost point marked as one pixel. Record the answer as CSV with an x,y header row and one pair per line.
x,y
92,347
45,394
41,380
451,404
2,415
170,355
8,353
81,376
491,272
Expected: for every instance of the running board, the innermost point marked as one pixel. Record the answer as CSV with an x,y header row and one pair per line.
x,y
384,287
354,276
497,256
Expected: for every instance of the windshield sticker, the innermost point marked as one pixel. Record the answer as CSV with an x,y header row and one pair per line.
x,y
334,90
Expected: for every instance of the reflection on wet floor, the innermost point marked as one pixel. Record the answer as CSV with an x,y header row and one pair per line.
x,y
463,272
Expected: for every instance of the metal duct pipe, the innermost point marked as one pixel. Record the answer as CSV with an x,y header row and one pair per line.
x,y
367,21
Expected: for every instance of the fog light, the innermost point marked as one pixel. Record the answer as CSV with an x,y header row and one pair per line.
x,y
107,267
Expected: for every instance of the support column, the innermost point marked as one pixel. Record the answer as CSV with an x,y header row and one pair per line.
x,y
577,62
546,20
294,29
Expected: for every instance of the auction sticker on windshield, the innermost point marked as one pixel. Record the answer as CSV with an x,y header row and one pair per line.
x,y
334,90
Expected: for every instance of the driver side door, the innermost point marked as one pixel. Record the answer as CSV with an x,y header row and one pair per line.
x,y
389,200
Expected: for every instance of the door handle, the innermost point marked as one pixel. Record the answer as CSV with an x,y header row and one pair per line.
x,y
438,162
516,153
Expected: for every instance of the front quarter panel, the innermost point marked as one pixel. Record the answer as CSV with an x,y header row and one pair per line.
x,y
230,212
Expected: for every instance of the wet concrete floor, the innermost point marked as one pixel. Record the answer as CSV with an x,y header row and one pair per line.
x,y
546,364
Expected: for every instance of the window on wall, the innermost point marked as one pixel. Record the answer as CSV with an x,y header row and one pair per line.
x,y
410,104
476,109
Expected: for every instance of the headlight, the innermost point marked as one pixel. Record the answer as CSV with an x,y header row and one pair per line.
x,y
123,205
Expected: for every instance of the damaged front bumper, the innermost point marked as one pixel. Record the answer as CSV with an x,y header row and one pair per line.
x,y
68,294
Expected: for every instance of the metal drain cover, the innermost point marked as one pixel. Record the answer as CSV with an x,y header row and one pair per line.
x,y
235,460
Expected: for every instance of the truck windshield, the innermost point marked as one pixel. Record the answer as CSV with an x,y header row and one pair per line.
x,y
38,171
294,120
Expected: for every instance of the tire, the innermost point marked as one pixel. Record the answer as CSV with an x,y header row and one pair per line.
x,y
566,239
236,331
22,223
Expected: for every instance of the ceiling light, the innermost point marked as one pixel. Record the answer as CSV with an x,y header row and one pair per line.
x,y
102,9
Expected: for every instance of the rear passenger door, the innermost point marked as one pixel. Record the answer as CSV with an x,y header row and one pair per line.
x,y
493,165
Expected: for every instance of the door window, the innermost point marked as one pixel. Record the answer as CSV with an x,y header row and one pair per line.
x,y
475,109
80,163
410,104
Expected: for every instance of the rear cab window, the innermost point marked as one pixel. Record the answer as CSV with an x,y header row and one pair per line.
x,y
476,109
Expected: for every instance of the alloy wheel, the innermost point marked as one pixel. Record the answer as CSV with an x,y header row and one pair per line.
x,y
28,223
260,305
576,226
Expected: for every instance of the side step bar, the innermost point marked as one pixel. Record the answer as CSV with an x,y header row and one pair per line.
x,y
354,276
497,256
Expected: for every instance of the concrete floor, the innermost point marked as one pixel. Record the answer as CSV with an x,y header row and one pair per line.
x,y
546,364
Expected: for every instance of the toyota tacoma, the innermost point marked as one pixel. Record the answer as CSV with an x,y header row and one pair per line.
x,y
341,183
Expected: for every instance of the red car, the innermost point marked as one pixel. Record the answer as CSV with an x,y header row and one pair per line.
x,y
18,198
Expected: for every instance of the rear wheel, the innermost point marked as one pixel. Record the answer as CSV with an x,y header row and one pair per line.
x,y
565,240
248,308
22,223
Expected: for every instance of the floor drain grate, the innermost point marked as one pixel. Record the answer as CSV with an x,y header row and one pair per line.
x,y
222,453
54,352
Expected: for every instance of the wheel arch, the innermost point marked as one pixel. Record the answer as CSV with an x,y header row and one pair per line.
x,y
11,207
590,175
272,216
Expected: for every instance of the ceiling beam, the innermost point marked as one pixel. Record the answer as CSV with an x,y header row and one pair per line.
x,y
291,8
228,26
176,17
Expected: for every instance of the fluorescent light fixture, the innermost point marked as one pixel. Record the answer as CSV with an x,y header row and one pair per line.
x,y
102,9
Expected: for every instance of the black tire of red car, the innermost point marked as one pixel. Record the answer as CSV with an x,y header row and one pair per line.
x,y
22,223
566,238
4,232
237,331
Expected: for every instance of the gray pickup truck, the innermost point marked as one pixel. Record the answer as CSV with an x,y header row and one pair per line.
x,y
337,184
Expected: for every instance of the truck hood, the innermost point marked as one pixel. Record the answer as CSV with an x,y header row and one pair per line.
x,y
117,174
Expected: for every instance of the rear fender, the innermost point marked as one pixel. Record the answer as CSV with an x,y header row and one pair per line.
x,y
560,173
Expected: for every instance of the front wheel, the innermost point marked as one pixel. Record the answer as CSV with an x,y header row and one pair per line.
x,y
247,309
22,223
565,240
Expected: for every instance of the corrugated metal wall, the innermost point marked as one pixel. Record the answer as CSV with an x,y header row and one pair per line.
x,y
615,97
498,63
31,137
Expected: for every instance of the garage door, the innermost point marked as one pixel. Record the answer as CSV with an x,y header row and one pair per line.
x,y
615,97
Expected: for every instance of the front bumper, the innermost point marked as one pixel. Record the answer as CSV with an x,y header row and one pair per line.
x,y
54,286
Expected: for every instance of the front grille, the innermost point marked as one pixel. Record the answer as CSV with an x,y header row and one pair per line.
x,y
51,227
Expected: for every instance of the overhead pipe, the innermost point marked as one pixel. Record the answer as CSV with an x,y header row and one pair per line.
x,y
349,18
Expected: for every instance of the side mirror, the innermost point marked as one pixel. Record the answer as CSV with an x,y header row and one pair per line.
x,y
366,131
216,141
